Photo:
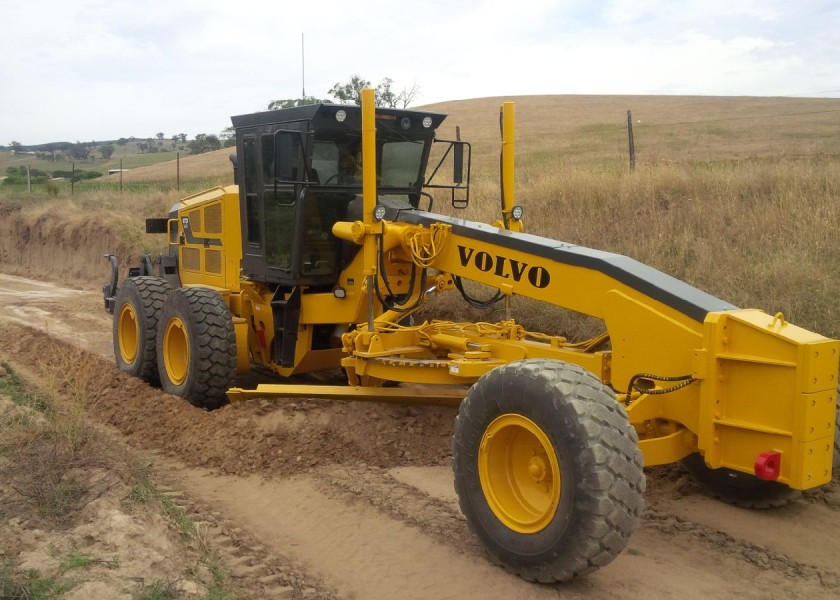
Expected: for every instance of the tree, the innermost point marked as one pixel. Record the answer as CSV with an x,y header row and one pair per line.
x,y
142,146
350,92
204,143
122,141
407,96
160,135
16,146
106,151
384,95
80,151
228,137
292,102
182,137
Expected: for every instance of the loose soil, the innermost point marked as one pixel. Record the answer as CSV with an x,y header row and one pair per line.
x,y
332,499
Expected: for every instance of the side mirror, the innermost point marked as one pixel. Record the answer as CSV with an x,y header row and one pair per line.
x,y
458,162
235,164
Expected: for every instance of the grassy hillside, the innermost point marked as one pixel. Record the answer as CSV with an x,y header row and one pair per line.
x,y
587,130
737,196
129,153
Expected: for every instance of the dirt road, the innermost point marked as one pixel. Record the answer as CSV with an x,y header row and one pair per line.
x,y
356,500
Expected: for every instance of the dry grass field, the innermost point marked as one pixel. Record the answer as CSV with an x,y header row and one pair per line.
x,y
737,196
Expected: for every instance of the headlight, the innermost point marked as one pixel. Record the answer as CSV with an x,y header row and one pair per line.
x,y
340,116
516,212
427,122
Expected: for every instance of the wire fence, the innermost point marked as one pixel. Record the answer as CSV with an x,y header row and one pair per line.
x,y
649,137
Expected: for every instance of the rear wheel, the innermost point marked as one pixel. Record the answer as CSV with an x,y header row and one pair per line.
x,y
196,346
136,310
547,469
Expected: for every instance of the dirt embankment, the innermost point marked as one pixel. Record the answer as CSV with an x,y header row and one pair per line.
x,y
48,246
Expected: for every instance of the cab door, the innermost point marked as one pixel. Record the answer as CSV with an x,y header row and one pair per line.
x,y
274,169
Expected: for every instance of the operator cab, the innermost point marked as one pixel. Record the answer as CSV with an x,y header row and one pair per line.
x,y
299,172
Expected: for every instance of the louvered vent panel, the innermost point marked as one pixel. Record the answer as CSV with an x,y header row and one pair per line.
x,y
191,259
213,261
213,219
195,220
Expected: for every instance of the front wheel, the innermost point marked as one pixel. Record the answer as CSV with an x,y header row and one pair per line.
x,y
548,469
196,346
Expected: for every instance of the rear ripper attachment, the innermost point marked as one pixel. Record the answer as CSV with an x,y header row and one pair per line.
x,y
321,254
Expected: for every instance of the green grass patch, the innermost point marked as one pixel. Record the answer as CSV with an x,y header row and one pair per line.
x,y
144,491
159,590
219,588
12,386
77,560
30,585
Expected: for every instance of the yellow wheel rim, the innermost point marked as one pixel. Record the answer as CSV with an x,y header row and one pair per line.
x,y
519,473
128,333
176,351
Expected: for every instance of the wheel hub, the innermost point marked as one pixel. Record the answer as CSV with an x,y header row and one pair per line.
x,y
176,351
519,473
536,468
128,334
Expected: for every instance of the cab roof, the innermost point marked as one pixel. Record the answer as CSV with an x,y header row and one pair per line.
x,y
325,114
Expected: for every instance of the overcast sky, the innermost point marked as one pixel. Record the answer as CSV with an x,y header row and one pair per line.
x,y
82,70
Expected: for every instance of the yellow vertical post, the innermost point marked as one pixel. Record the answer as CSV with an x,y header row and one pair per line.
x,y
508,128
507,161
369,193
368,155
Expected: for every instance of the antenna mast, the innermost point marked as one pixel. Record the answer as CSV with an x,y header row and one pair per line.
x,y
302,68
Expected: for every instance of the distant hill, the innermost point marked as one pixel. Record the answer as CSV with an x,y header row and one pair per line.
x,y
585,130
589,130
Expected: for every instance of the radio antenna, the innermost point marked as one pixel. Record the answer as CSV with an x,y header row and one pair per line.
x,y
302,68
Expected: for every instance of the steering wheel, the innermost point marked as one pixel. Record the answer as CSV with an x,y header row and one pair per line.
x,y
333,177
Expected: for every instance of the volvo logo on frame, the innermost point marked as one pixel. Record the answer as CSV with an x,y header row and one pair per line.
x,y
502,266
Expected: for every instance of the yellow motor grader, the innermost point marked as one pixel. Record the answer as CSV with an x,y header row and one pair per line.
x,y
320,253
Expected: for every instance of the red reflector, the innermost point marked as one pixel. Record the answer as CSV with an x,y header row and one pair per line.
x,y
768,465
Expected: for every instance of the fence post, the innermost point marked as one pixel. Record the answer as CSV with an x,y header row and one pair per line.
x,y
630,140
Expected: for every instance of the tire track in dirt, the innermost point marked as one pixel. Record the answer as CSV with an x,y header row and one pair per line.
x,y
256,571
675,495
401,502
354,546
752,553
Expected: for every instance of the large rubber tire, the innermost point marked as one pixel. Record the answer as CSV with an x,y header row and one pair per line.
x,y
136,310
548,469
740,489
196,346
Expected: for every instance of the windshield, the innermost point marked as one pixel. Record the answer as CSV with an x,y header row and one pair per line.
x,y
337,160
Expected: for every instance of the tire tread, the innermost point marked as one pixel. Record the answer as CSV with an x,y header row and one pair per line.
x,y
612,503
